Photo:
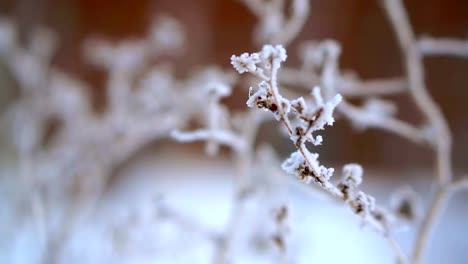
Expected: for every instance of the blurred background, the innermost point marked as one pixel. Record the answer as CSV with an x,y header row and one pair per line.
x,y
215,30
218,29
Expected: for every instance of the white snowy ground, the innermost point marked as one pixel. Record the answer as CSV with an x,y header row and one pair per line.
x,y
199,188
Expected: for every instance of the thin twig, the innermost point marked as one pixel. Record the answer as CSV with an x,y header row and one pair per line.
x,y
190,224
401,257
460,184
348,88
430,219
443,47
224,137
244,157
390,124
372,87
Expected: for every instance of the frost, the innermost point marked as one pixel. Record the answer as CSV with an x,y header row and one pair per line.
x,y
300,124
245,62
352,173
260,98
272,53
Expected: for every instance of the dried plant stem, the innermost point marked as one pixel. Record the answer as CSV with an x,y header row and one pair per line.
x,y
401,258
243,180
398,17
190,224
429,222
437,204
35,200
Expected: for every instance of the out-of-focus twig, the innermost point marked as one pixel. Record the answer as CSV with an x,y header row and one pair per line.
x,y
443,47
413,56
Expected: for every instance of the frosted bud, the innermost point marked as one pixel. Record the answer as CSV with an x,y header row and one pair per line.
x,y
273,53
352,177
363,204
295,165
352,173
406,203
328,109
317,140
261,98
245,62
299,105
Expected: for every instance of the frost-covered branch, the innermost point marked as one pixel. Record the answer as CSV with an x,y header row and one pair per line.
x,y
321,65
301,120
218,130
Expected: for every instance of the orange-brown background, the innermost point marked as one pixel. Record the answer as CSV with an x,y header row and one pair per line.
x,y
219,28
